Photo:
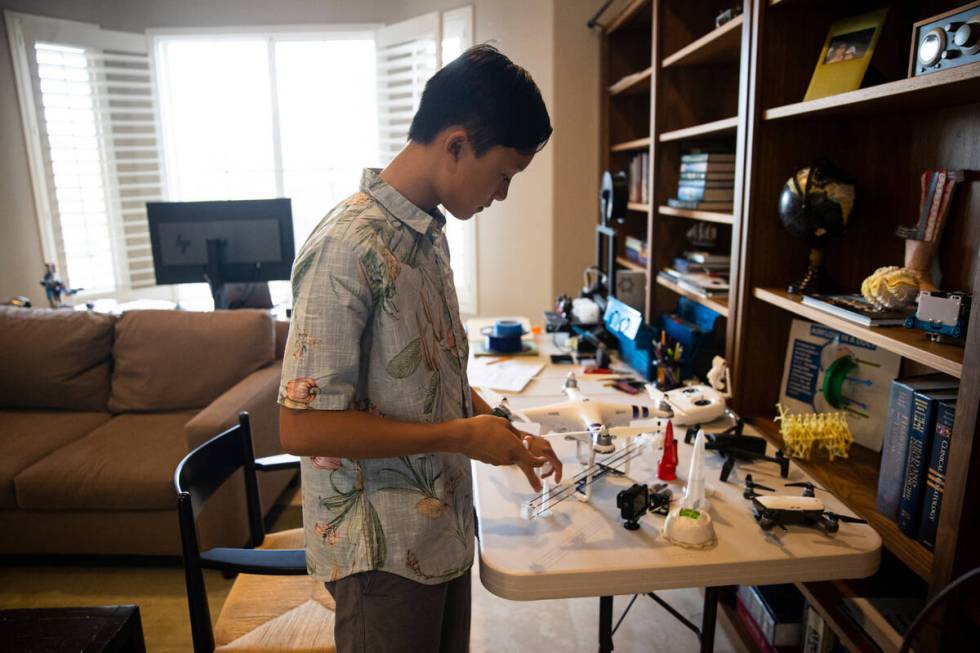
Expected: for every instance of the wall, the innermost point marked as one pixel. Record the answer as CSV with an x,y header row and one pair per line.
x,y
530,246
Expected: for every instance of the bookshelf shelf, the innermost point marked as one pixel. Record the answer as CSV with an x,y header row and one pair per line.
x,y
707,216
855,482
626,146
636,206
942,89
628,13
724,126
910,343
721,45
633,84
630,265
717,304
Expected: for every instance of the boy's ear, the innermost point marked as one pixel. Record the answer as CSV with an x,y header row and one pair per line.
x,y
455,142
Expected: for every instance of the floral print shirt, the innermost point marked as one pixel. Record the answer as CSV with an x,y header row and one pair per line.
x,y
376,327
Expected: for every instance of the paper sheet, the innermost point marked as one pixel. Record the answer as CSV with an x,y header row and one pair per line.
x,y
505,376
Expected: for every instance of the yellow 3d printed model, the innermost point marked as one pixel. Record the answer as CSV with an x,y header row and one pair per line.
x,y
828,430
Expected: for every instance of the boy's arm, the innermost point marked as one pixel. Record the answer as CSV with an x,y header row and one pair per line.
x,y
480,407
356,434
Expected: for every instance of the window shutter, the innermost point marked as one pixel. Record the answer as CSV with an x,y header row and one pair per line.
x,y
88,103
407,55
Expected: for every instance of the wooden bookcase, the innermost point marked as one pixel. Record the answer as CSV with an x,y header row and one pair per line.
x,y
673,80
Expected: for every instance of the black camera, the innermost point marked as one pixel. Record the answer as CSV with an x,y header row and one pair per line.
x,y
637,500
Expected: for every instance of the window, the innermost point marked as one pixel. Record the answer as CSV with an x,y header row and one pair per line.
x,y
408,54
87,103
251,116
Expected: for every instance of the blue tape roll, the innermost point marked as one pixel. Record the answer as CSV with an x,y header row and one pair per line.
x,y
504,336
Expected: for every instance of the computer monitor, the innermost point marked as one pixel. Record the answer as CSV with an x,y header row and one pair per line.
x,y
235,246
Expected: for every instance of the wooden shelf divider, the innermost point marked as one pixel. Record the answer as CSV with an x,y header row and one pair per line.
x,y
626,146
717,304
632,83
707,216
724,126
855,482
636,206
910,343
937,90
825,599
720,45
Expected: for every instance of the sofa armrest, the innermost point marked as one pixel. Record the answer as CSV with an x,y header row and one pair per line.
x,y
257,394
282,334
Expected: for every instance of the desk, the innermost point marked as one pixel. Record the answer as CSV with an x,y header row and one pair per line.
x,y
583,550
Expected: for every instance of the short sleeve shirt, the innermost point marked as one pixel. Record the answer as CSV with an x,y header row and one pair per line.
x,y
376,327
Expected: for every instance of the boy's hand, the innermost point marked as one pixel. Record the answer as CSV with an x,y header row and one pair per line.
x,y
541,448
494,441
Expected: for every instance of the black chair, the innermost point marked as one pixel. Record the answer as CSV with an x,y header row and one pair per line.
x,y
197,478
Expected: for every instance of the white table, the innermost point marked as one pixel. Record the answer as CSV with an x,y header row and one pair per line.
x,y
583,549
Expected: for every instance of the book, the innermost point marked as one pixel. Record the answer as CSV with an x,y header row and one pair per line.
x,y
936,473
884,619
704,281
707,257
693,176
855,308
705,194
698,157
701,184
708,166
699,206
684,265
778,610
751,627
895,442
921,426
817,635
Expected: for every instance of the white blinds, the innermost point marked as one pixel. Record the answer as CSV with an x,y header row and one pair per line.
x,y
407,55
87,98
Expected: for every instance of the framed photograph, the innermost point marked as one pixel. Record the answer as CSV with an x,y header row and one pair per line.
x,y
845,56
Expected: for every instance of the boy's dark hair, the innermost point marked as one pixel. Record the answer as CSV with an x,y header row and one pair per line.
x,y
494,99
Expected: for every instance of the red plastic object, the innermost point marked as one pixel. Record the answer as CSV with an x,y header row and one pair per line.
x,y
667,468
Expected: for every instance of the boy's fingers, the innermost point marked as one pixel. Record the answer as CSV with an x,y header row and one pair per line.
x,y
532,478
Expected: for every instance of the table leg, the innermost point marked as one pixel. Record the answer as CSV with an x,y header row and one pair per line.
x,y
605,624
709,619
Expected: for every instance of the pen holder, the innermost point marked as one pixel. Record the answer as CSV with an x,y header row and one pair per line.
x,y
666,374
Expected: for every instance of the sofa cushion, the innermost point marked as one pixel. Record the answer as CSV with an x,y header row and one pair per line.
x,y
54,358
172,360
127,463
26,436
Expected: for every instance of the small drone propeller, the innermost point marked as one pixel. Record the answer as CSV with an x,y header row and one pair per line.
x,y
808,487
847,519
752,485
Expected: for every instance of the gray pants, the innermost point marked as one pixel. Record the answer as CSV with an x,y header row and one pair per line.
x,y
378,612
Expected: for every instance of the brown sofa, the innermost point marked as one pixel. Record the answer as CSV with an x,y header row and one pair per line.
x,y
96,411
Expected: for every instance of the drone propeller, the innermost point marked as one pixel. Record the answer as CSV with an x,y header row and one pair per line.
x,y
847,519
807,486
752,485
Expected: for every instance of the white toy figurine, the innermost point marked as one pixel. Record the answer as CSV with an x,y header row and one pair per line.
x,y
690,524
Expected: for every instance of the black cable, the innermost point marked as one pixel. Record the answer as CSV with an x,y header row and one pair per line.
x,y
920,618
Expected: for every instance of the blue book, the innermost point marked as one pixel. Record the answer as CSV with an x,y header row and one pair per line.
x,y
895,439
921,426
936,474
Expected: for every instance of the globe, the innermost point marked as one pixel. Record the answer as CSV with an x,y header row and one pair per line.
x,y
814,205
816,202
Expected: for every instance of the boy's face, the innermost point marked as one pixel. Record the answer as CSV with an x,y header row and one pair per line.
x,y
473,183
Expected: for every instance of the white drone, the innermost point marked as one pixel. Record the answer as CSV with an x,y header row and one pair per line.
x,y
602,423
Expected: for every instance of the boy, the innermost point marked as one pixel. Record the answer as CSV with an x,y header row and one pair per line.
x,y
374,393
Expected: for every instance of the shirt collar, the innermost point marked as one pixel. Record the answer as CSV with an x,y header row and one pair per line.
x,y
425,223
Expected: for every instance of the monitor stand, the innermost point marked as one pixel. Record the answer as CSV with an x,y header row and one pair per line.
x,y
233,295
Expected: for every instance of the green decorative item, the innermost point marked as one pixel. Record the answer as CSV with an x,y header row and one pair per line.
x,y
815,205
